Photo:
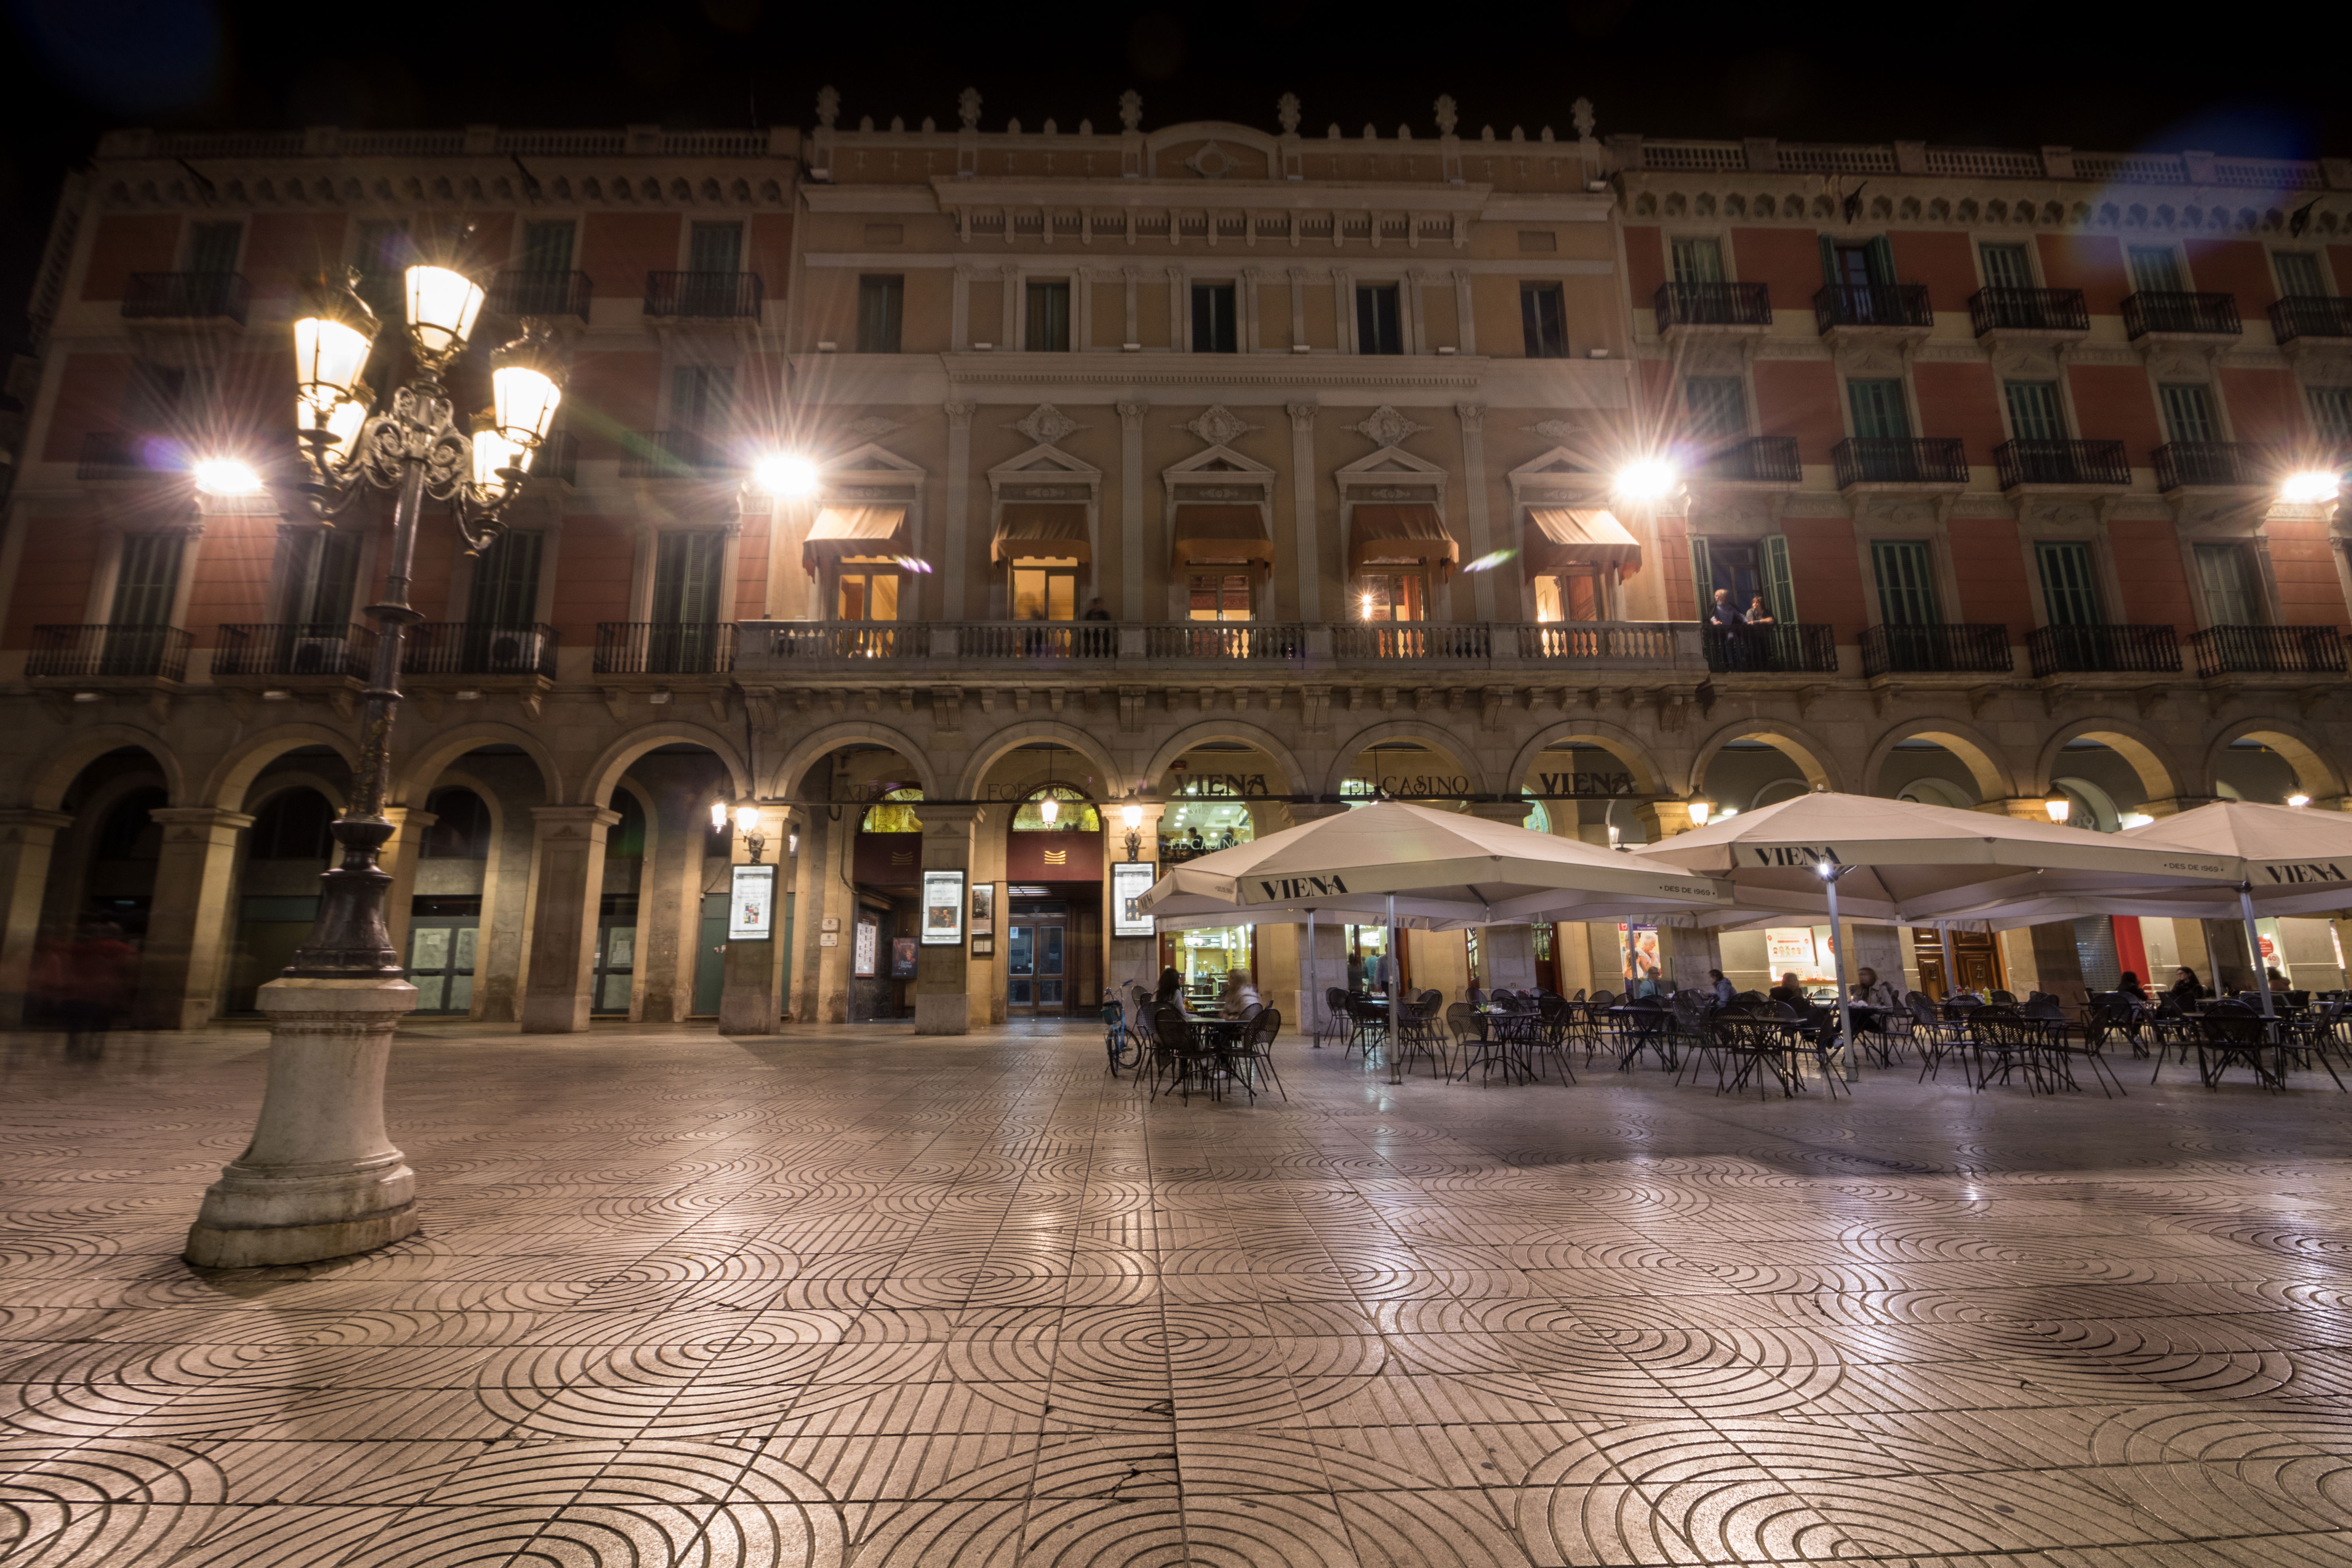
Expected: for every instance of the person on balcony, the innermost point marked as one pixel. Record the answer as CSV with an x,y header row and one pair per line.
x,y
1759,613
1726,613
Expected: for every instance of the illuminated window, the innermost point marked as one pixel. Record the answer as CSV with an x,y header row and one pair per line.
x,y
1046,590
1073,813
867,595
1220,596
893,813
1390,597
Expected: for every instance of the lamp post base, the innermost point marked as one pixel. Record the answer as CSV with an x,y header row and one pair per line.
x,y
320,1179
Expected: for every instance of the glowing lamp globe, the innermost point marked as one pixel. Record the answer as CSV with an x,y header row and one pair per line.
x,y
442,305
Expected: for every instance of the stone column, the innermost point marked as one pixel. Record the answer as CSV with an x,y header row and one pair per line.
x,y
28,837
751,993
179,967
943,999
571,864
399,857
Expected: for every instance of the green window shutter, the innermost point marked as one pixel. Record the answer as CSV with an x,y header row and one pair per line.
x,y
2069,591
1780,583
1881,260
2033,410
1906,583
1702,576
1878,409
1829,262
2188,412
145,581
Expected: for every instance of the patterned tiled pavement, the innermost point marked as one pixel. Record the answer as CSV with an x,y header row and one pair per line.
x,y
854,1298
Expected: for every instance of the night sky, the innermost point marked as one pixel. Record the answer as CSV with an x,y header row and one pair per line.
x,y
2103,78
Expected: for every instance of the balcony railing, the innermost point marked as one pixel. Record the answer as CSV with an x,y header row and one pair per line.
x,y
1960,648
2103,463
1872,305
864,639
2115,650
185,297
2229,464
2310,316
703,296
653,648
116,455
1649,643
2215,314
459,647
673,455
1714,305
1791,646
521,292
85,652
1037,639
1760,459
1900,460
1414,640
2269,650
294,648
2029,310
1224,640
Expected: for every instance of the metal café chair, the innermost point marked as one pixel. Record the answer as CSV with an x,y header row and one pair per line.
x,y
1256,1048
2232,1034
1476,1043
2004,1043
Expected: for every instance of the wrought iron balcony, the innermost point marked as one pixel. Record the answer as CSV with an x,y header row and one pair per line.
x,y
1900,460
2098,463
89,652
2204,314
1901,305
704,296
2054,311
1757,460
294,648
2226,464
2118,650
185,297
1714,305
2310,316
1960,648
118,454
1224,640
459,648
674,455
2269,650
658,647
518,291
1791,646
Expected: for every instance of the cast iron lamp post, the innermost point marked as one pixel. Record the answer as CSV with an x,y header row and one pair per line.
x,y
320,1179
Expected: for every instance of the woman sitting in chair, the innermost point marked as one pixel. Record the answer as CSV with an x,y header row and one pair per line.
x,y
1238,995
1172,986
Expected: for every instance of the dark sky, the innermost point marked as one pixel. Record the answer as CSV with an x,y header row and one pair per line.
x,y
2105,78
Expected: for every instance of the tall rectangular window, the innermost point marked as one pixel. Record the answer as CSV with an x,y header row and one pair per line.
x,y
2331,414
1217,325
2228,579
1219,597
881,305
1048,317
1390,597
1042,592
1856,266
2155,270
1716,406
1697,260
2069,591
505,580
1543,321
2298,274
547,247
1379,319
155,398
147,579
701,398
1906,582
714,248
322,566
2005,267
2033,413
1878,409
687,564
212,247
866,594
2189,412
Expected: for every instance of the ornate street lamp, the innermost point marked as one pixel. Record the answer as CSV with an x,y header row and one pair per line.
x,y
320,1179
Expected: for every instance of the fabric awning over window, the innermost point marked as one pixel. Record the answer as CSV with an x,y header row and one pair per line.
x,y
841,530
1561,537
1051,530
1399,536
1222,536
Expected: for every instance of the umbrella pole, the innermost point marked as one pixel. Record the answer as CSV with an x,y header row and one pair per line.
x,y
2254,948
1315,1031
1396,984
1951,970
1845,1016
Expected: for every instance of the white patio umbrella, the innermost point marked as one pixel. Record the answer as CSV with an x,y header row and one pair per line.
x,y
1389,862
1897,859
2295,861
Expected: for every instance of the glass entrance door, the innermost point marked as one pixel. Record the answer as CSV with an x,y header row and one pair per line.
x,y
1036,959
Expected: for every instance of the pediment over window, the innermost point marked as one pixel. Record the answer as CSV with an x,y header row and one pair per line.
x,y
1045,473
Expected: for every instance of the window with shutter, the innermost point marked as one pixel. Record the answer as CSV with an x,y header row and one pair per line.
x,y
1779,582
1906,582
1216,327
2005,267
2188,412
505,580
2298,275
2034,411
213,247
547,247
1698,260
1878,409
881,305
146,581
2155,270
2331,414
1543,321
1718,409
2228,579
714,248
2070,594
687,568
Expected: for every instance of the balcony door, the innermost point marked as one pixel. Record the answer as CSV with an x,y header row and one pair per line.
x,y
2155,270
321,575
688,570
864,591
2034,411
547,248
2188,415
2070,590
2232,598
1906,582
505,580
716,247
1698,260
2005,267
1879,411
146,584
1218,597
213,247
701,401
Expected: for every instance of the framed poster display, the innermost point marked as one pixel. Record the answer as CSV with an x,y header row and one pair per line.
x,y
984,944
751,903
902,958
983,909
865,950
1129,880
943,909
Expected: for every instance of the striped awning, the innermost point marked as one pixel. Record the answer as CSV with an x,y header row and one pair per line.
x,y
1410,535
1042,531
1222,536
1578,536
839,530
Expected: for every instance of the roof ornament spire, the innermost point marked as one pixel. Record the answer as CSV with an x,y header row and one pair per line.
x,y
968,108
828,106
1285,109
1130,110
1446,118
1580,116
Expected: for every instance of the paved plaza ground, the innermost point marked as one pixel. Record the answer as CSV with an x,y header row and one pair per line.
x,y
849,1297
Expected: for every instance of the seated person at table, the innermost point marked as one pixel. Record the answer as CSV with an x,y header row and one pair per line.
x,y
1238,995
1355,973
1172,986
2278,982
2185,991
1724,989
1788,991
2129,986
1872,992
1647,985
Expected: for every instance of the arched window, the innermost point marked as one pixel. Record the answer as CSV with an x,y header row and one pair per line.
x,y
130,834
1073,812
462,831
626,839
893,813
292,825
1538,819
